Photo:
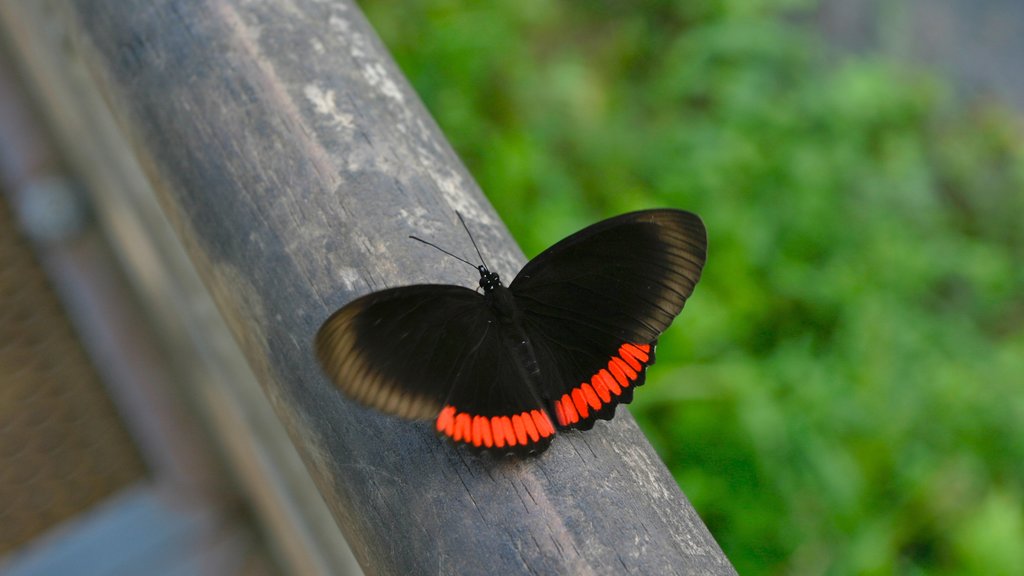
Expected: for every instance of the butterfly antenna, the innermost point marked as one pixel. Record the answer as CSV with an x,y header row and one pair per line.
x,y
470,234
436,247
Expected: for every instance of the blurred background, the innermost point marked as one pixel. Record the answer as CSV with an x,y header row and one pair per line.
x,y
842,394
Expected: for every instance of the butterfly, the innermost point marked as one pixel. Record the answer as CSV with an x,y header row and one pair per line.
x,y
503,368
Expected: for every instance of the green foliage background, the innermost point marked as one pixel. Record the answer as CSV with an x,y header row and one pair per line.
x,y
843,393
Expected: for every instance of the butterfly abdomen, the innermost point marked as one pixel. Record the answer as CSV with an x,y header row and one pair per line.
x,y
510,316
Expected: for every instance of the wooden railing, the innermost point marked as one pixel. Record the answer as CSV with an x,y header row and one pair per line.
x,y
292,160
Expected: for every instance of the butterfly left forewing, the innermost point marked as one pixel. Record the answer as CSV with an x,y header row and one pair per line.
x,y
396,350
435,351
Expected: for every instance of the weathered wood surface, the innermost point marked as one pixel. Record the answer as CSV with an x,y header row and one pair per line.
x,y
294,160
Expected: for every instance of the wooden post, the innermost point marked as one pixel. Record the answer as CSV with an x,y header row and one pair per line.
x,y
293,160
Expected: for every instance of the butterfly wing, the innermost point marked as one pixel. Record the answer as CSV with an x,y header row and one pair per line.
x,y
435,351
594,304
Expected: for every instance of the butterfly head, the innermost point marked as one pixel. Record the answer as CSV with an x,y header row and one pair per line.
x,y
488,280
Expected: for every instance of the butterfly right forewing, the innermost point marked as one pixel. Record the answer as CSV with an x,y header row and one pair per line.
x,y
594,304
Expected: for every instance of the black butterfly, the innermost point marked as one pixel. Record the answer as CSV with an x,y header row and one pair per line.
x,y
565,343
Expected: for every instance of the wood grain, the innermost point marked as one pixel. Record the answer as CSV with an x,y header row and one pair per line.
x,y
293,159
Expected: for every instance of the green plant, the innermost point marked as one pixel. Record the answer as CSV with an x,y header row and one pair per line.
x,y
842,394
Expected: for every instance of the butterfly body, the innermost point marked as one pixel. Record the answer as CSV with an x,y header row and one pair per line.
x,y
559,348
499,297
509,318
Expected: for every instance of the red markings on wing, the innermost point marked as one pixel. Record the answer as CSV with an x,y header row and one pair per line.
x,y
530,427
604,386
516,430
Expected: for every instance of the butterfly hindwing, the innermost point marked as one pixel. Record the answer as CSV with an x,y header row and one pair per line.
x,y
594,304
435,351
